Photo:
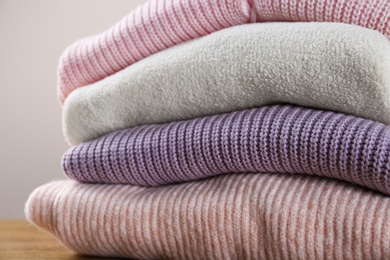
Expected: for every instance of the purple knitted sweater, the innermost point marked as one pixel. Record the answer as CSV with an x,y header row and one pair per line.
x,y
268,139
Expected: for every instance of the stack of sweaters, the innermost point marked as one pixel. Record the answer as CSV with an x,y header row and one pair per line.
x,y
227,129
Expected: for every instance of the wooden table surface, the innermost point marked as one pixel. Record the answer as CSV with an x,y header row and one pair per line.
x,y
20,240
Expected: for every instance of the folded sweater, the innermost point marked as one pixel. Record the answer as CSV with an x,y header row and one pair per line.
x,y
275,139
237,216
325,65
160,24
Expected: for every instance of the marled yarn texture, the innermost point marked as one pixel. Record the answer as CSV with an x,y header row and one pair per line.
x,y
160,24
276,139
236,216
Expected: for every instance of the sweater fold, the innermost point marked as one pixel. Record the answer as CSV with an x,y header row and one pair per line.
x,y
329,66
277,139
237,216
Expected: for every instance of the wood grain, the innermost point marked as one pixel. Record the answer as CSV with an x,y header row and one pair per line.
x,y
20,240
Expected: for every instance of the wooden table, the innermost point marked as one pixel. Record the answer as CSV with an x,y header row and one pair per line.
x,y
20,240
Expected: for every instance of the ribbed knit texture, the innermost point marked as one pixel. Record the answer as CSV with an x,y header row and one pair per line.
x,y
160,24
152,27
270,139
237,216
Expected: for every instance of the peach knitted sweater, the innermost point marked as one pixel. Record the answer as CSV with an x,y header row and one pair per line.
x,y
236,216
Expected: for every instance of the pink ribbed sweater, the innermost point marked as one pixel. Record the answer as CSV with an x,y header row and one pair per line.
x,y
160,24
236,216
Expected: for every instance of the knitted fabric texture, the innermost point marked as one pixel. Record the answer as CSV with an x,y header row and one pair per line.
x,y
160,24
271,139
237,216
331,66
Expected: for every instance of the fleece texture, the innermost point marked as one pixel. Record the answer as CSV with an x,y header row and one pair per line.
x,y
324,65
237,216
275,139
160,24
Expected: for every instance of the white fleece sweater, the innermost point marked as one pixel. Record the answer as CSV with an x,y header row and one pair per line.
x,y
324,65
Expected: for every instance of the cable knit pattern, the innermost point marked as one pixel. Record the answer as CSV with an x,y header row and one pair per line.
x,y
160,24
236,216
270,139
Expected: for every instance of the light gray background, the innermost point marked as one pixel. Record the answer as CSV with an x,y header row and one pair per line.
x,y
33,35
